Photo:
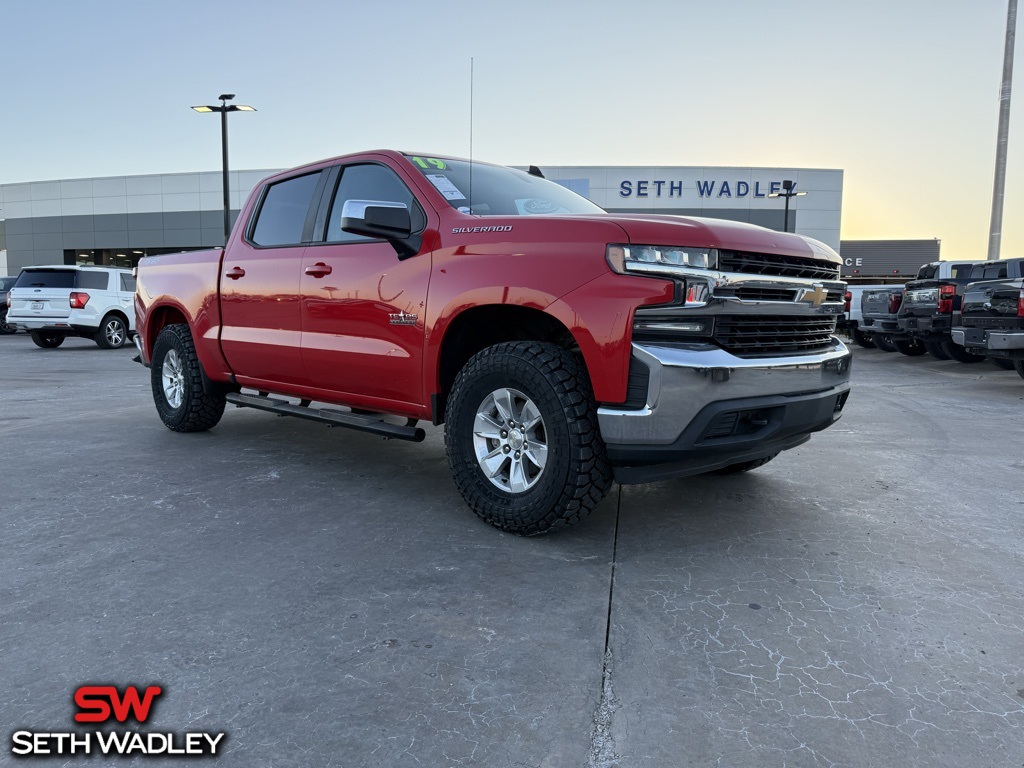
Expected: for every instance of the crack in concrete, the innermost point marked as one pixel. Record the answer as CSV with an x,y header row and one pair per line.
x,y
602,743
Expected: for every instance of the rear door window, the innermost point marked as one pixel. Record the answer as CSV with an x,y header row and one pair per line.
x,y
282,214
127,283
97,281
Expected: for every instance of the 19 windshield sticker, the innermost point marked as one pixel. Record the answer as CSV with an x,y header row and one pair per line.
x,y
429,162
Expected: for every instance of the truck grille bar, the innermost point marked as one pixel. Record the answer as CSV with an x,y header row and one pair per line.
x,y
783,266
751,336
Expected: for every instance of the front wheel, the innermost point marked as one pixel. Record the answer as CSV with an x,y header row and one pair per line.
x,y
522,438
113,333
47,340
177,383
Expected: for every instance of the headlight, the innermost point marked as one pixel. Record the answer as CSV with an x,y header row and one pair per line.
x,y
642,258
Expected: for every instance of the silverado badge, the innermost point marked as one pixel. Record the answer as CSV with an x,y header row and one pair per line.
x,y
401,318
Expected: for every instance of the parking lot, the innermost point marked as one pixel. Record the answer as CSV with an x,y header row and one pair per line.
x,y
325,598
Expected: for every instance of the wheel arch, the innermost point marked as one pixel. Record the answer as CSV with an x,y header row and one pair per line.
x,y
479,327
118,312
158,319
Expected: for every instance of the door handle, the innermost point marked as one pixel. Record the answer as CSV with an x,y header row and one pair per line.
x,y
319,270
235,272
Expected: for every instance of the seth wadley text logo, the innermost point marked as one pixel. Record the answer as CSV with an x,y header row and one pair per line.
x,y
102,703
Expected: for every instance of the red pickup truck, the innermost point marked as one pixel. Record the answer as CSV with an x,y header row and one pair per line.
x,y
560,346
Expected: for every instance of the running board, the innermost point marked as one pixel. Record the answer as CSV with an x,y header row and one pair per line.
x,y
329,416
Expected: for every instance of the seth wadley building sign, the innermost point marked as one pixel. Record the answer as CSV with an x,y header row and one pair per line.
x,y
119,219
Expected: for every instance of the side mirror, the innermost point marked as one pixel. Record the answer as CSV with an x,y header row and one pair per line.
x,y
377,218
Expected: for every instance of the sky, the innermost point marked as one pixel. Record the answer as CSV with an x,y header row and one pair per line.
x,y
902,95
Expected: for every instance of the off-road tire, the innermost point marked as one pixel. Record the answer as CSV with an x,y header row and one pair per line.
x,y
197,410
862,339
47,340
576,474
960,354
113,333
1019,366
910,347
743,466
936,350
4,327
1002,363
884,343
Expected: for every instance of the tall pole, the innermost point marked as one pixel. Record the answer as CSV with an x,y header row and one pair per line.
x,y
224,157
995,228
785,221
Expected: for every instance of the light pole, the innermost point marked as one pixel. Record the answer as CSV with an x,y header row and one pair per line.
x,y
224,108
995,230
787,192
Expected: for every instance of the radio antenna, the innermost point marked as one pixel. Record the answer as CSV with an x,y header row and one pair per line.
x,y
471,134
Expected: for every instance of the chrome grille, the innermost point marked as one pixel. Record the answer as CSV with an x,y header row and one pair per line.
x,y
760,294
783,266
772,294
755,335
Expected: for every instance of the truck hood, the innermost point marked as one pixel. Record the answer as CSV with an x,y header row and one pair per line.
x,y
655,229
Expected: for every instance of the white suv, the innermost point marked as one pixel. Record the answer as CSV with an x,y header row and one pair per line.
x,y
52,303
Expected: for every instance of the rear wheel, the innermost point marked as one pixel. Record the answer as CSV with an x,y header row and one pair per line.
x,y
177,383
960,354
910,347
5,328
47,340
936,350
1019,365
1002,362
862,339
884,343
113,333
522,438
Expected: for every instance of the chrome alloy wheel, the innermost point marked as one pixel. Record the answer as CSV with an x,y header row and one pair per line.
x,y
114,333
510,440
172,377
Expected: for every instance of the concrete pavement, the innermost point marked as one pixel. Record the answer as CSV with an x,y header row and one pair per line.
x,y
325,597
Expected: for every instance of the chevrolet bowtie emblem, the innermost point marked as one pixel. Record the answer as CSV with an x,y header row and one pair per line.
x,y
401,318
816,296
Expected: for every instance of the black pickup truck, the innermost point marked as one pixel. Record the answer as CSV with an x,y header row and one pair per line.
x,y
992,314
931,307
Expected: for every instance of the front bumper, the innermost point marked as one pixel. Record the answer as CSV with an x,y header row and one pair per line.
x,y
1009,343
707,409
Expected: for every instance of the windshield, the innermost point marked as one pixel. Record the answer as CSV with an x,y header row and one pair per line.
x,y
499,191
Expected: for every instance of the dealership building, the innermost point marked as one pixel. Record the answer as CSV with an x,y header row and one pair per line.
x,y
115,221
